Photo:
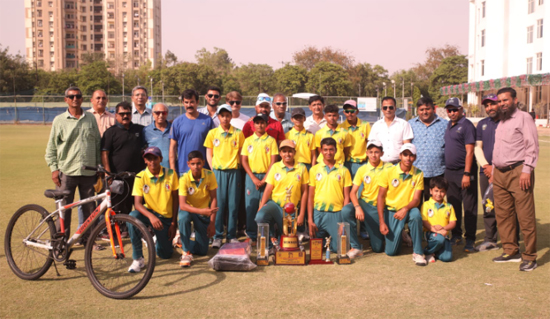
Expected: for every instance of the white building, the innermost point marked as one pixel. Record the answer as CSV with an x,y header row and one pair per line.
x,y
509,38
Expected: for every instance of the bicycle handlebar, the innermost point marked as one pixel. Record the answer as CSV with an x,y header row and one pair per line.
x,y
101,169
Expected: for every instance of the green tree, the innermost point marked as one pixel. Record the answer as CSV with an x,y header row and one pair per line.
x,y
15,75
170,58
290,79
59,81
453,70
218,60
365,78
328,79
311,55
434,57
96,76
254,78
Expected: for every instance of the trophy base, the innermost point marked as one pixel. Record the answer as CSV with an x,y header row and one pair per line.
x,y
289,243
343,260
290,258
320,262
262,262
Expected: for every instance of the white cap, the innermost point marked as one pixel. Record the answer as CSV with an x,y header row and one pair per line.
x,y
408,146
374,143
263,98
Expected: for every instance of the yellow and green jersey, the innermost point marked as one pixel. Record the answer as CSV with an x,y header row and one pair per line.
x,y
329,186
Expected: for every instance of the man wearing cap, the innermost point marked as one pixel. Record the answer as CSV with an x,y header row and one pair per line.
x,y
400,190
274,128
213,96
429,131
316,120
515,156
461,172
392,131
155,194
359,132
279,111
303,140
158,133
140,113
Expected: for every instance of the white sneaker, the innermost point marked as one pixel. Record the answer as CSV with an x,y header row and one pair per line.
x,y
419,260
430,258
176,241
137,265
233,241
217,243
406,238
186,260
352,253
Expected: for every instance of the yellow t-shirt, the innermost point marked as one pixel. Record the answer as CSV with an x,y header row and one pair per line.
x,y
437,214
304,142
157,191
329,186
368,176
282,178
225,147
198,192
259,150
359,134
342,138
401,187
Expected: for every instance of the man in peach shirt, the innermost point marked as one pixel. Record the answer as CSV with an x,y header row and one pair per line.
x,y
104,118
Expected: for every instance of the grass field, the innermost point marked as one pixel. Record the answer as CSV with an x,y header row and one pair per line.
x,y
374,286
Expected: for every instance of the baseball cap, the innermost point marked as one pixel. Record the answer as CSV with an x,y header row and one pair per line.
x,y
454,101
374,143
153,150
351,103
489,97
287,143
263,98
297,112
224,107
260,116
408,146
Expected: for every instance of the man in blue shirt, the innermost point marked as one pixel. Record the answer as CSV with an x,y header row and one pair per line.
x,y
429,132
461,172
157,133
188,132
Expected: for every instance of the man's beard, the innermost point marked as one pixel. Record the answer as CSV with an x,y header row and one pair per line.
x,y
506,115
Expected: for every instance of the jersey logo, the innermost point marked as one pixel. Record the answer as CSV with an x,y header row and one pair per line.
x,y
367,179
448,213
277,177
395,182
191,190
459,129
167,186
338,177
339,141
216,142
137,134
484,127
234,143
247,192
430,213
250,148
319,177
146,189
413,183
267,149
298,177
362,135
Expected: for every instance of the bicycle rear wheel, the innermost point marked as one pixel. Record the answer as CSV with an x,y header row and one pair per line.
x,y
29,262
109,275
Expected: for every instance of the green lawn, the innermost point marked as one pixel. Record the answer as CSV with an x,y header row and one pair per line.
x,y
374,286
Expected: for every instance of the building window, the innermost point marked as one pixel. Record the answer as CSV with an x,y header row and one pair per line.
x,y
111,35
51,34
50,4
541,2
124,4
529,65
539,28
83,19
124,14
539,61
530,6
111,5
39,23
136,4
84,48
482,38
136,34
83,38
83,28
50,14
530,34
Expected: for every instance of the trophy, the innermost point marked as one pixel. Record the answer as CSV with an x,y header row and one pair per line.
x,y
262,258
343,244
316,252
290,252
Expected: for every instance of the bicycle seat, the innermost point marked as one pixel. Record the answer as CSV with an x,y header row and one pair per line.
x,y
56,194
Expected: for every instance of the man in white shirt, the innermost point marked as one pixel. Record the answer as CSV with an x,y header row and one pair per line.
x,y
316,120
212,97
391,131
235,99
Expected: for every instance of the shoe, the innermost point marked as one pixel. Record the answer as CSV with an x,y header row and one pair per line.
x,y
486,246
407,240
505,258
217,243
241,233
469,247
136,265
186,259
528,265
430,258
455,240
233,241
364,235
353,253
272,251
176,242
419,260
98,247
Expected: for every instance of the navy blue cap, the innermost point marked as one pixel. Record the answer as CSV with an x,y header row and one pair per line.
x,y
261,116
489,97
153,150
454,101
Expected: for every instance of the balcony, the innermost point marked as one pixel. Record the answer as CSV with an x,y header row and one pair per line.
x,y
70,46
70,56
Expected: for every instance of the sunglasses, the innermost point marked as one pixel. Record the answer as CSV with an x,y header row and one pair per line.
x,y
213,96
349,111
78,96
281,103
452,110
264,98
124,114
234,102
387,107
161,112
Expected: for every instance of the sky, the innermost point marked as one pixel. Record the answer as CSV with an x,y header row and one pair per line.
x,y
391,33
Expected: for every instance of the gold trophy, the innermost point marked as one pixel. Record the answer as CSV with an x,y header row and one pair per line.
x,y
290,251
262,258
343,243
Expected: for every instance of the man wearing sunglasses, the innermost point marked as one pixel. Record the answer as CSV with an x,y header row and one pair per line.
x,y
274,128
157,133
140,114
280,113
461,172
213,96
235,100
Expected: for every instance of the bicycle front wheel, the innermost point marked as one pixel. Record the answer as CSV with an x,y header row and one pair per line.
x,y
29,262
109,274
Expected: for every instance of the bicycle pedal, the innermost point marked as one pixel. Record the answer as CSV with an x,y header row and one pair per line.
x,y
70,264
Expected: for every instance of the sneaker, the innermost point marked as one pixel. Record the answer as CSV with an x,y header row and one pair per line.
x,y
364,235
217,243
528,265
407,240
186,259
469,247
486,246
233,241
419,260
430,258
136,265
352,253
505,258
176,242
455,240
241,233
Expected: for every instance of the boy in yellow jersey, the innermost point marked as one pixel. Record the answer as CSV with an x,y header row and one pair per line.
x,y
302,139
258,154
329,187
286,174
364,209
157,186
198,204
337,132
438,218
359,133
400,190
223,148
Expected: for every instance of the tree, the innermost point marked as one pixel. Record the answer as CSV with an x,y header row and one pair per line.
x,y
365,79
453,70
96,76
290,79
170,58
254,78
15,75
219,60
434,57
328,79
310,56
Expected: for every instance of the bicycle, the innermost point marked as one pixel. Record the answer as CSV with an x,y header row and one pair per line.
x,y
32,242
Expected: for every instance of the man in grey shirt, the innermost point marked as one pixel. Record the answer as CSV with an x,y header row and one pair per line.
x,y
140,113
212,97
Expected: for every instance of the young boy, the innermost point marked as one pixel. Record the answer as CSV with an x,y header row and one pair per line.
x,y
400,190
359,132
223,148
258,154
329,187
157,186
198,204
302,139
438,218
286,174
337,132
364,209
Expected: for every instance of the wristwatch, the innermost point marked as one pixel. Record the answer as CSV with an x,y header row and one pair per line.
x,y
467,174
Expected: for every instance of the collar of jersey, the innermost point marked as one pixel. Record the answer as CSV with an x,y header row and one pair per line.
x,y
152,177
348,126
402,174
372,168
283,166
229,132
296,132
263,137
335,167
436,204
193,178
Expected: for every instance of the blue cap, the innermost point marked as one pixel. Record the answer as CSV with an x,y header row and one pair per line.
x,y
153,150
454,101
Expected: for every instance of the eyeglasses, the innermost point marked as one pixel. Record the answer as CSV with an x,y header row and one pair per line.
x,y
101,98
387,107
264,98
234,102
452,110
78,96
124,114
213,96
281,103
349,111
160,112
